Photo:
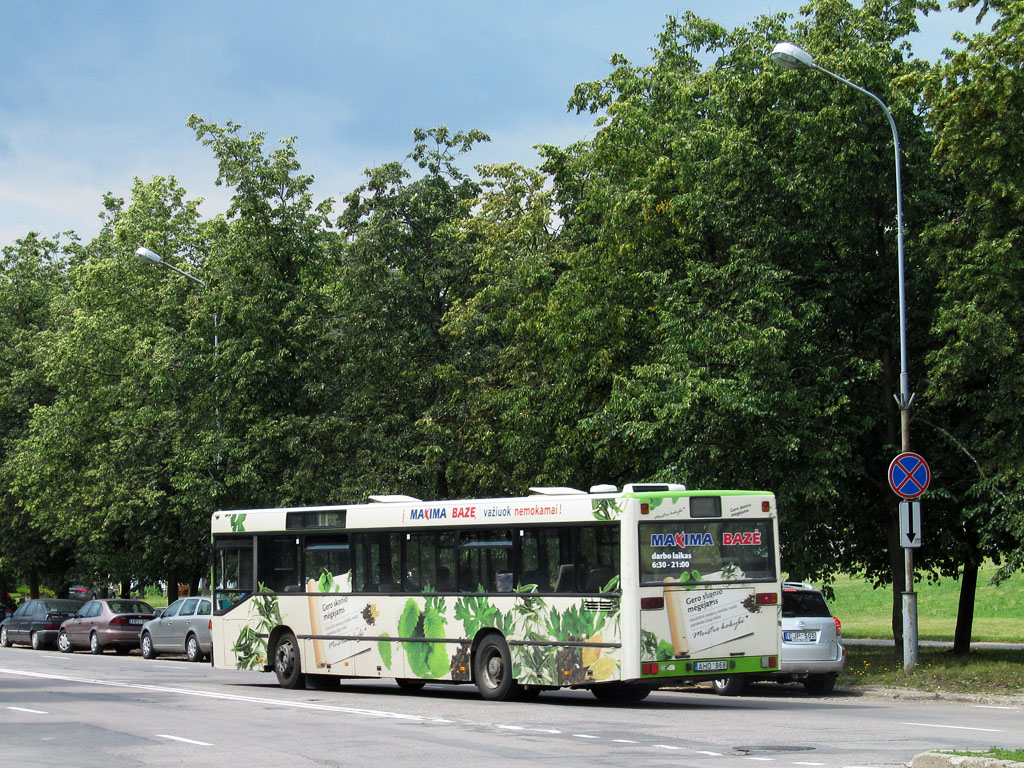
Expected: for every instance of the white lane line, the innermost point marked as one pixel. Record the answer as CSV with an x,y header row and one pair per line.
x,y
761,759
544,730
184,740
798,762
585,736
664,746
956,727
625,741
990,706
705,752
30,711
511,727
222,696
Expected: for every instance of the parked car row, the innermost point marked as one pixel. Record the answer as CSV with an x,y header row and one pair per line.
x,y
183,627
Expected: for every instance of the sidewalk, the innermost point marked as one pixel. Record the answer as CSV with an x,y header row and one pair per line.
x,y
931,643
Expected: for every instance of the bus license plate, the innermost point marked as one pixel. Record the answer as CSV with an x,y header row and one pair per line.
x,y
800,637
710,666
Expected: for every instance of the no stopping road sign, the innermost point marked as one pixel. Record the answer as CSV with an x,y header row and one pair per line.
x,y
909,475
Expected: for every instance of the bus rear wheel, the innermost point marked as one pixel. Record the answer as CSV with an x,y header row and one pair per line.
x,y
287,662
492,669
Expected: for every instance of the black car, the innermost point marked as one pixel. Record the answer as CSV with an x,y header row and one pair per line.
x,y
37,622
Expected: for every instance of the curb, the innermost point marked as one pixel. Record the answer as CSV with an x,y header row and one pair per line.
x,y
942,760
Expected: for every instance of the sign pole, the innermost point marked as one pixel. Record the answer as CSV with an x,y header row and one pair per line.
x,y
909,476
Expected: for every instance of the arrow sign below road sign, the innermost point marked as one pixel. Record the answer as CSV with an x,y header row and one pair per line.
x,y
910,524
909,475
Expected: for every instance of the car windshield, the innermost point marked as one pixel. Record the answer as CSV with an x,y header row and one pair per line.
x,y
803,604
130,606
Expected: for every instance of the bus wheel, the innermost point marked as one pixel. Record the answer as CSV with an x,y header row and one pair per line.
x,y
729,686
621,693
287,664
492,669
409,685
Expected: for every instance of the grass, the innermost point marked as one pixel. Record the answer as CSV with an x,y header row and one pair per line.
x,y
983,671
998,611
998,617
996,753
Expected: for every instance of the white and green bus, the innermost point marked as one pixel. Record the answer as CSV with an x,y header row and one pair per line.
x,y
618,592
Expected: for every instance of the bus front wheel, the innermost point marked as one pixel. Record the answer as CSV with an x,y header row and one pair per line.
x,y
492,669
287,663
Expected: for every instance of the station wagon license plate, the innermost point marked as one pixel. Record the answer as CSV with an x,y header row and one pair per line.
x,y
136,621
800,637
710,666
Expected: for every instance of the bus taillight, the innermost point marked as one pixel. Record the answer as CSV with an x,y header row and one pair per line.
x,y
652,603
650,668
769,662
766,598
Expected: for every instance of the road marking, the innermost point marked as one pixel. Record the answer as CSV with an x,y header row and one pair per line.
x,y
30,711
761,759
991,706
544,730
956,727
625,741
664,746
705,752
184,740
801,763
585,736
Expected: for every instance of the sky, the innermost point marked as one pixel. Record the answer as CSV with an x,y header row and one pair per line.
x,y
95,94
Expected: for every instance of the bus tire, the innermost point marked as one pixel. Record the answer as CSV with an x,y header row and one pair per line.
x,y
492,669
729,686
620,693
287,662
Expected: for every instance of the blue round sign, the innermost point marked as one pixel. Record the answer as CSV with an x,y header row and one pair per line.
x,y
909,475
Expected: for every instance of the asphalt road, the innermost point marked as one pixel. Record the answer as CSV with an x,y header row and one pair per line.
x,y
81,710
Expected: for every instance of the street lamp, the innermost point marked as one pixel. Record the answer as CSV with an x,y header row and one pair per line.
x,y
790,56
151,258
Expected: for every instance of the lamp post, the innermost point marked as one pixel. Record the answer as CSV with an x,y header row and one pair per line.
x,y
790,56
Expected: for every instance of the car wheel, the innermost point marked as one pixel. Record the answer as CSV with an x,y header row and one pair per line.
x,y
820,685
147,647
192,648
492,669
37,641
5,641
64,642
94,644
287,662
729,686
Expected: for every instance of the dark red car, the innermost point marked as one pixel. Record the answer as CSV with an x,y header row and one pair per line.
x,y
100,624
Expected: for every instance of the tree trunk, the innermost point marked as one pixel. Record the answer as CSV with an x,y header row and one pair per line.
x,y
126,589
965,610
898,567
172,586
33,584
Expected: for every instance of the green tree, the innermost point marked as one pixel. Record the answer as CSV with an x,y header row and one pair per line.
x,y
32,273
976,97
407,261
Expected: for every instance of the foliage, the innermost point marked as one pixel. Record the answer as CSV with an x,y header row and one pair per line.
x,y
703,291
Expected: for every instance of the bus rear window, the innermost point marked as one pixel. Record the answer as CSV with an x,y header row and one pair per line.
x,y
706,551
